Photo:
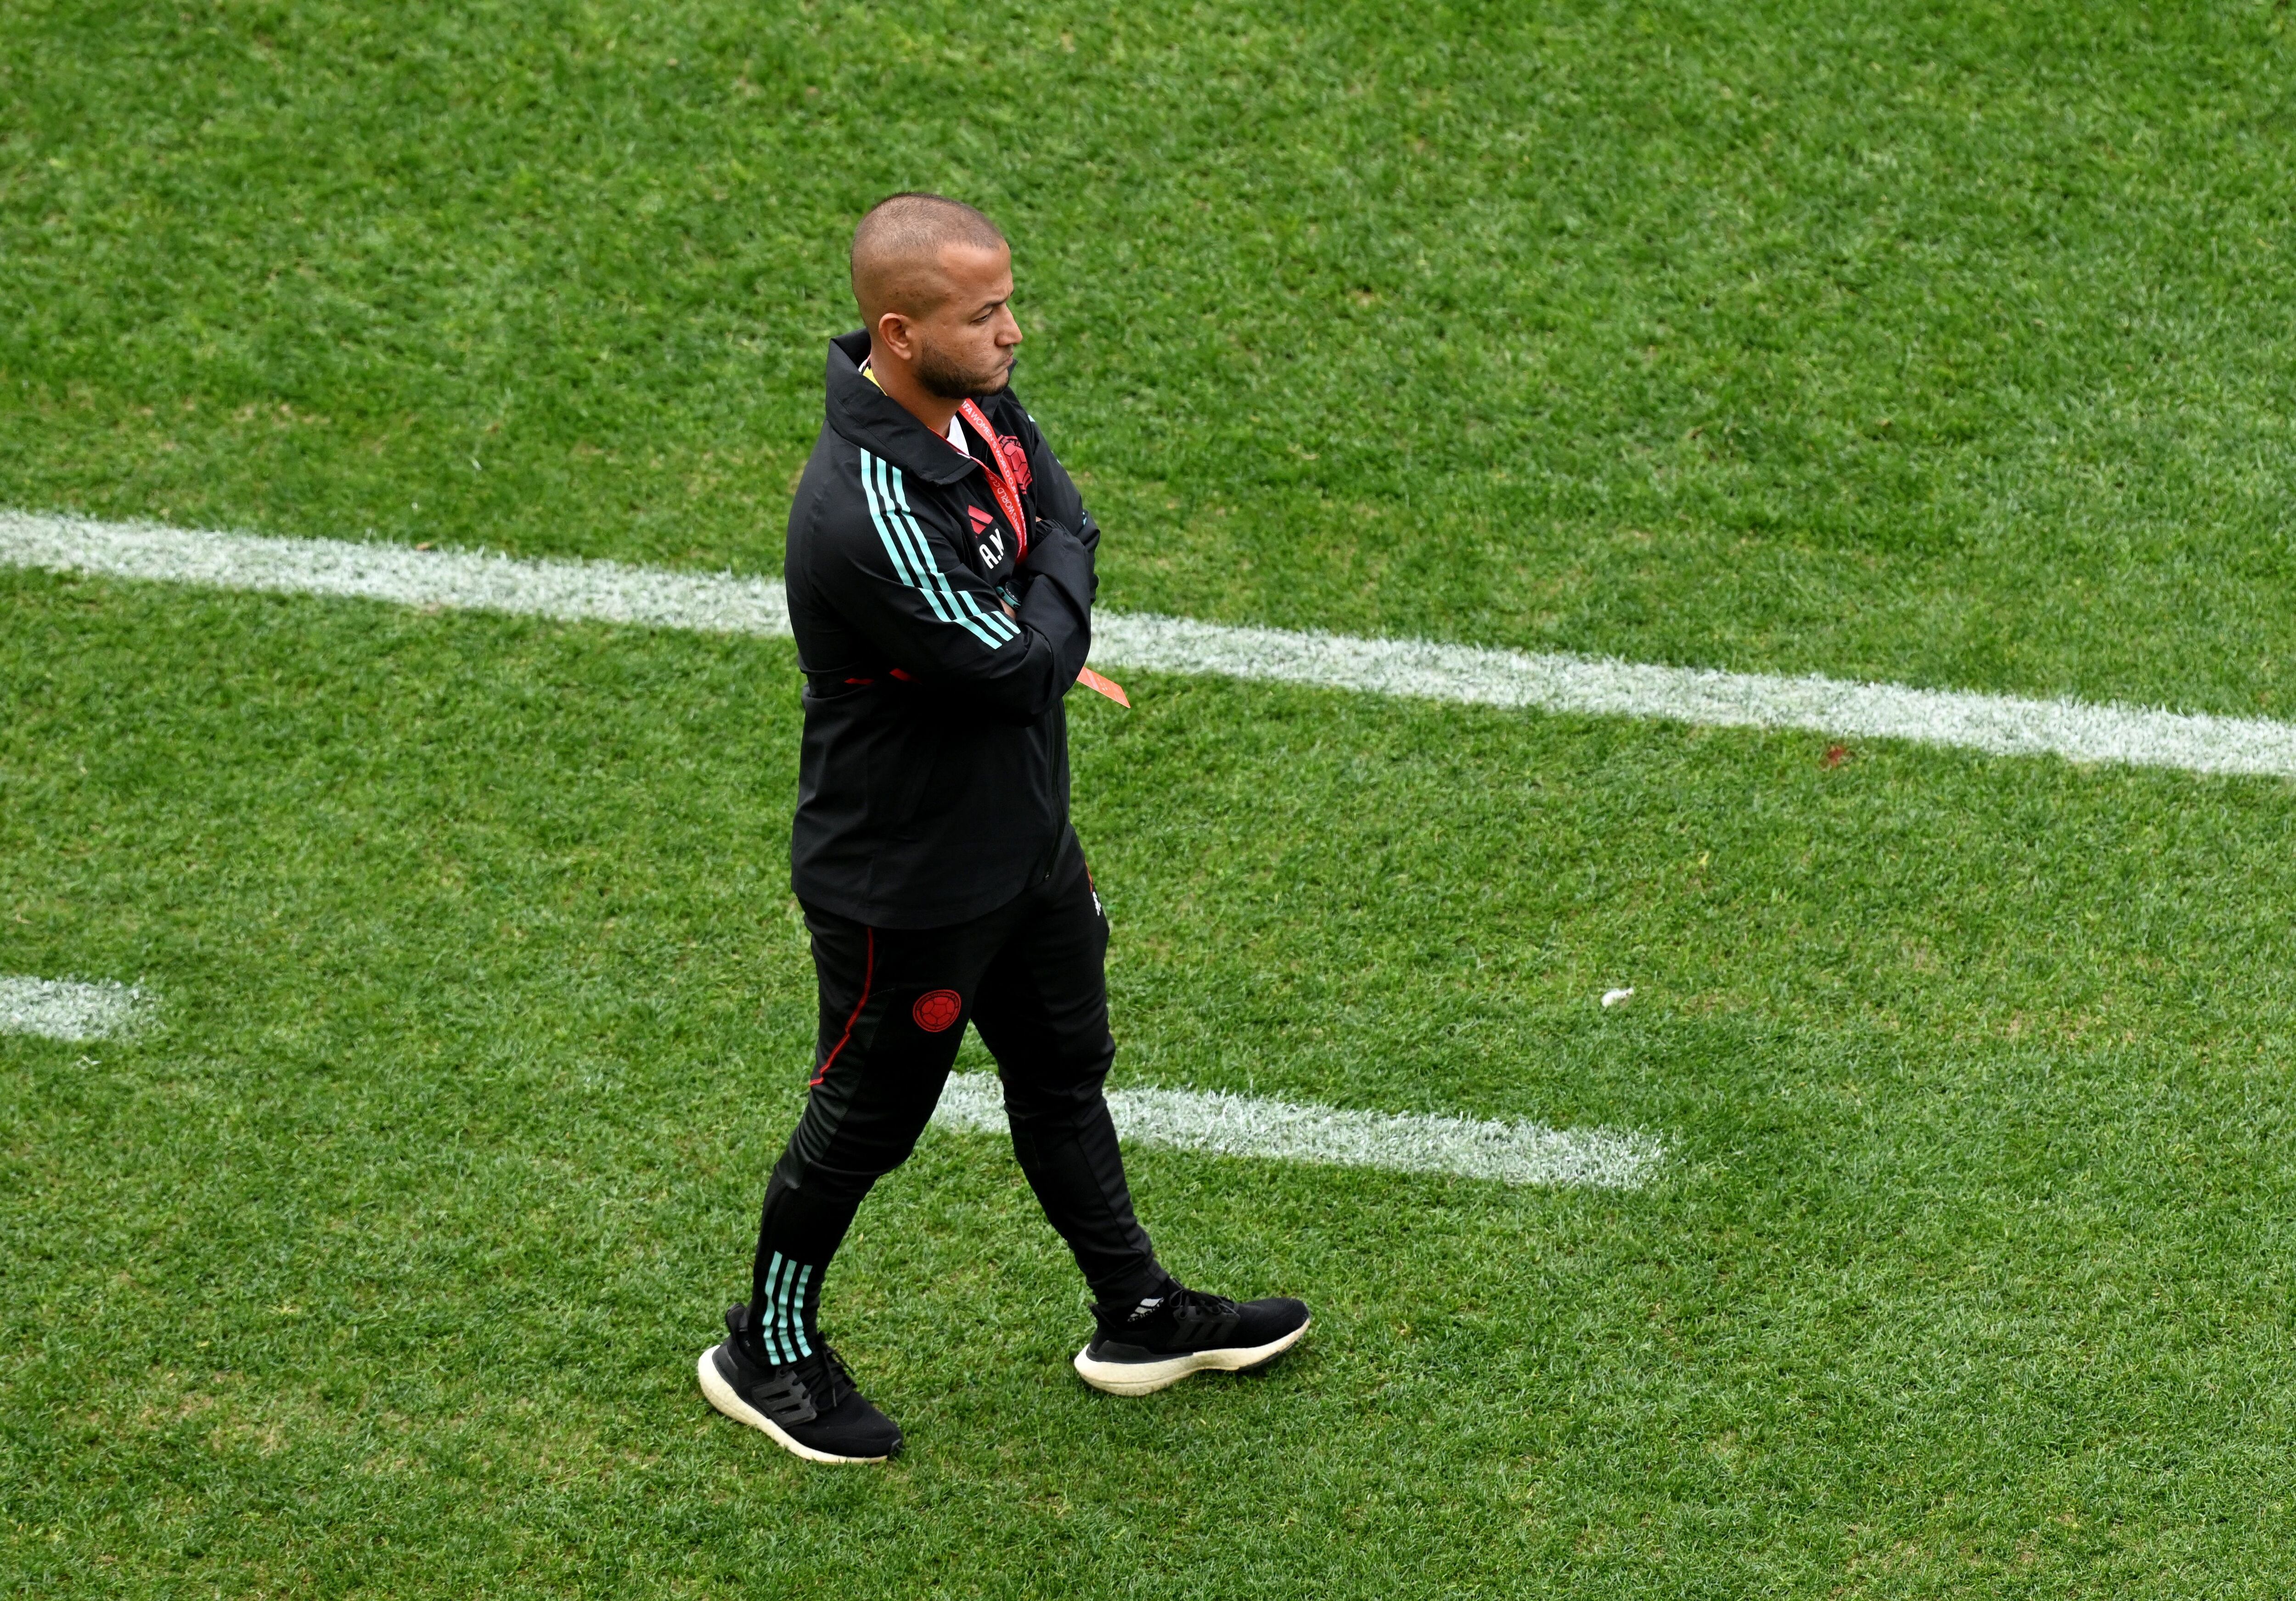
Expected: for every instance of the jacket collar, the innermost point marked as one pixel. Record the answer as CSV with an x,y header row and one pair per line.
x,y
880,425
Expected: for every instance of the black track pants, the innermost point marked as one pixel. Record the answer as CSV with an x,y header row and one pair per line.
x,y
894,1004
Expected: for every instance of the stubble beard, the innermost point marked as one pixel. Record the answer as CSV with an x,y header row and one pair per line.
x,y
950,380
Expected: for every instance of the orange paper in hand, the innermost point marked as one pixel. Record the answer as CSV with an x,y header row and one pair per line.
x,y
1109,687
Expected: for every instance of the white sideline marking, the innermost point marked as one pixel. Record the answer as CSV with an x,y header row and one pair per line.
x,y
64,1009
1238,1125
605,591
2000,725
1421,669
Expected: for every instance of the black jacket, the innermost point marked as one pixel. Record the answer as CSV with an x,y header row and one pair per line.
x,y
934,776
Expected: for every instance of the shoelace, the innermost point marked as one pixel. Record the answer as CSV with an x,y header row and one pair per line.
x,y
826,1379
1185,1305
823,1374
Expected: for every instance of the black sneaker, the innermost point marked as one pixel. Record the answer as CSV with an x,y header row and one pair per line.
x,y
809,1405
1147,1344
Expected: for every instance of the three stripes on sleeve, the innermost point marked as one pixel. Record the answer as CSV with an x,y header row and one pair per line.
x,y
912,558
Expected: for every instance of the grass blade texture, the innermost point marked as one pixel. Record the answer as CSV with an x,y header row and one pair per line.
x,y
1947,345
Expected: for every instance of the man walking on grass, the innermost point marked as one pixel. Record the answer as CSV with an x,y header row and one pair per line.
x,y
939,572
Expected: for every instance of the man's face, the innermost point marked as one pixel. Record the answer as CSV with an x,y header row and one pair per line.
x,y
968,345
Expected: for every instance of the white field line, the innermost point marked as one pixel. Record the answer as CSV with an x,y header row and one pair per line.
x,y
603,591
63,1009
1237,1125
1421,669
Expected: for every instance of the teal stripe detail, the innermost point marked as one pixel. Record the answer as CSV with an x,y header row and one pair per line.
x,y
803,1278
996,620
787,1316
766,1332
912,561
765,1313
921,552
915,559
998,623
780,1318
999,627
906,530
888,536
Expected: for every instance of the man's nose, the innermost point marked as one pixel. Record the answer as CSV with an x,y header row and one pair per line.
x,y
1008,327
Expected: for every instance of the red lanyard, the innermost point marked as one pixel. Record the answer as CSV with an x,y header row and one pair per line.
x,y
1008,471
1008,475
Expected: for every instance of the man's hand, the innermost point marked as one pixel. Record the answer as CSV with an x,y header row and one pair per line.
x,y
1048,531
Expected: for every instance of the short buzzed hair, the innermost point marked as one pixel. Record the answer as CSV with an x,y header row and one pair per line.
x,y
897,248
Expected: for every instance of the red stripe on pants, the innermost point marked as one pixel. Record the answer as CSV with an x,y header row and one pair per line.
x,y
868,976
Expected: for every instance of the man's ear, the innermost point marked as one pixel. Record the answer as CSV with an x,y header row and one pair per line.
x,y
892,331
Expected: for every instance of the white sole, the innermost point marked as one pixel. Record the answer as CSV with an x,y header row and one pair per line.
x,y
1146,1378
721,1395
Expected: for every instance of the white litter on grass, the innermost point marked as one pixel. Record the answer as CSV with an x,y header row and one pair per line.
x,y
1238,1125
1618,997
64,1009
1421,669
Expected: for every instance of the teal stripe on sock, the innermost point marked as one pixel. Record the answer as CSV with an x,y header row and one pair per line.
x,y
803,1278
766,1314
782,1318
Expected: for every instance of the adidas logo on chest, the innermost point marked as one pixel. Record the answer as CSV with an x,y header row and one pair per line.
x,y
988,539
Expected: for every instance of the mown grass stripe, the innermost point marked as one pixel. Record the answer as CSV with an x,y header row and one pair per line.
x,y
1239,1125
64,1009
1422,669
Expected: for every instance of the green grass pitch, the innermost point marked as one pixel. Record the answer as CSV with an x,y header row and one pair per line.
x,y
1950,344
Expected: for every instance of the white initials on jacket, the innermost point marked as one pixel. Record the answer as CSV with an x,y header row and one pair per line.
x,y
992,548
